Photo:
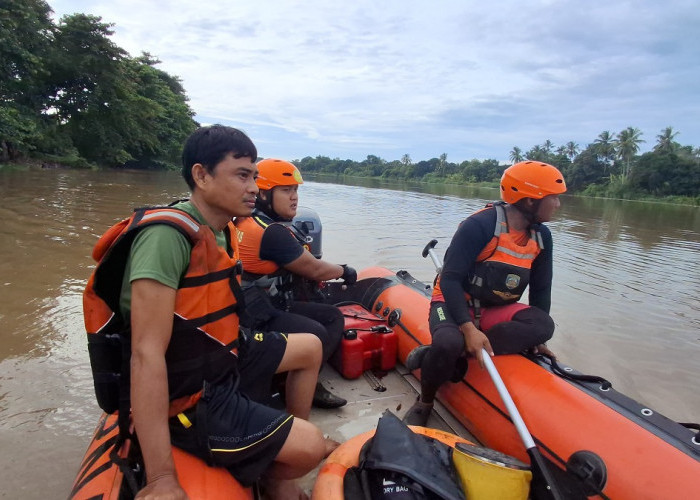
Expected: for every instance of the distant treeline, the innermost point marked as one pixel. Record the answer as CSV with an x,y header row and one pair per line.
x,y
69,94
609,167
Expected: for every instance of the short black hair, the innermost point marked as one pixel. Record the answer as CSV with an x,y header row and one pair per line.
x,y
210,145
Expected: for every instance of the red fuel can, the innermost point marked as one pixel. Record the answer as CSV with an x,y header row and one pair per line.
x,y
368,343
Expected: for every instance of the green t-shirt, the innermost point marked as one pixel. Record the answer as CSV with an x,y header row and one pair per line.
x,y
161,253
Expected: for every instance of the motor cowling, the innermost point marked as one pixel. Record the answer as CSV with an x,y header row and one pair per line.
x,y
308,223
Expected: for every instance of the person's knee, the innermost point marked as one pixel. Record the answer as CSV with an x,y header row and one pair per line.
x,y
541,324
305,446
448,342
305,350
313,350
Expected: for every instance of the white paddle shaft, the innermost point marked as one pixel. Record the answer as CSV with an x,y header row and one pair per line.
x,y
510,405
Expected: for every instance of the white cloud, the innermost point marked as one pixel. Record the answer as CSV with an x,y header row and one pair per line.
x,y
471,79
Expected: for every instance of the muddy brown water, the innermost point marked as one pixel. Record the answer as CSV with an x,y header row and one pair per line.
x,y
625,295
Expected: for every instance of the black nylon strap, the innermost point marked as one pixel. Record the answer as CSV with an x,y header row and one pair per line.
x,y
206,319
195,281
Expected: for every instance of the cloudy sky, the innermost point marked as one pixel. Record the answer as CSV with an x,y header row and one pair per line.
x,y
467,78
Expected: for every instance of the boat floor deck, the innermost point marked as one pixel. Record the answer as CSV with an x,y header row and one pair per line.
x,y
366,405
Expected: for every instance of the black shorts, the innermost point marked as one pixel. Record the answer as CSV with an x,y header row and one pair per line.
x,y
228,429
259,356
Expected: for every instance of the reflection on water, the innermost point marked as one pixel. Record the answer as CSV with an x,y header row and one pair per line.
x,y
625,292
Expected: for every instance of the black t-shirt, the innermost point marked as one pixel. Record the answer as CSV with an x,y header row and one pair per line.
x,y
279,245
472,235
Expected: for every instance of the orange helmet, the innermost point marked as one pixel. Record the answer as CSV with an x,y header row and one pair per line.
x,y
531,179
273,173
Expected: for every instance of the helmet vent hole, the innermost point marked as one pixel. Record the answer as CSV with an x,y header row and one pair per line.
x,y
513,188
559,181
286,174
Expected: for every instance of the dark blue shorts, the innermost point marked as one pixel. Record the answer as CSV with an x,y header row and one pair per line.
x,y
228,429
259,356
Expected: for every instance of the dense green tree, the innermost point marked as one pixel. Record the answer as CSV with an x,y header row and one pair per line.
x,y
425,167
68,90
25,35
93,96
666,174
168,117
586,169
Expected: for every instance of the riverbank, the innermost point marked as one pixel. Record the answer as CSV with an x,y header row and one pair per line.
x,y
50,162
403,184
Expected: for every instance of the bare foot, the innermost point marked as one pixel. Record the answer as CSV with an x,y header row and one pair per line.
x,y
287,489
331,445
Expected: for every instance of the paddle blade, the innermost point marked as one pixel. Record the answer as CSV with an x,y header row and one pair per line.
x,y
543,482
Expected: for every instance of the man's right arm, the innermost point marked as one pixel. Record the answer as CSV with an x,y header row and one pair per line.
x,y
159,256
151,328
280,246
471,237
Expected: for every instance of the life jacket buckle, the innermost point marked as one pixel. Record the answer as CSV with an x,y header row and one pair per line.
x,y
238,268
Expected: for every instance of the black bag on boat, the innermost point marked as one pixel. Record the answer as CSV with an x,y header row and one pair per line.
x,y
398,464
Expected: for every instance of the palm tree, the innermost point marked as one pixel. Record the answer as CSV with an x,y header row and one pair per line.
x,y
605,147
547,146
627,145
571,149
665,142
516,155
406,160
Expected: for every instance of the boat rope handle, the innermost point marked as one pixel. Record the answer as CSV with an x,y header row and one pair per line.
x,y
556,368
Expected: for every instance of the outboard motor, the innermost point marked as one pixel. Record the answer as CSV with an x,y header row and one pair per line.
x,y
308,223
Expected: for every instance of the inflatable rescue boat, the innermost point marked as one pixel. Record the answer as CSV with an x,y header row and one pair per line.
x,y
112,472
613,446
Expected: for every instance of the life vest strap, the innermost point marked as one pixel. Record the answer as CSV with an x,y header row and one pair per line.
x,y
195,281
188,324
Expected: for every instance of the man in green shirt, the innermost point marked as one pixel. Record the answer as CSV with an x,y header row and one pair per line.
x,y
218,165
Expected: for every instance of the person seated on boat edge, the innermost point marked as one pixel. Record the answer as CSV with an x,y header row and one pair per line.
x,y
493,256
273,253
178,269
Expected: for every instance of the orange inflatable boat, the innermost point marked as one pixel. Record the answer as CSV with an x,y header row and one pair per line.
x,y
329,484
110,474
634,452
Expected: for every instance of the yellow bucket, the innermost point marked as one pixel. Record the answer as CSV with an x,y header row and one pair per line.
x,y
487,474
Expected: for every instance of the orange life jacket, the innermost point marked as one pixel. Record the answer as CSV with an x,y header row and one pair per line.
x,y
205,328
250,234
502,269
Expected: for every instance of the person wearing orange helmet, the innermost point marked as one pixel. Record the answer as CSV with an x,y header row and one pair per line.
x,y
273,253
493,256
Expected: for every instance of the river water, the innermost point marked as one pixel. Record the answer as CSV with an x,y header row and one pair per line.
x,y
625,294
